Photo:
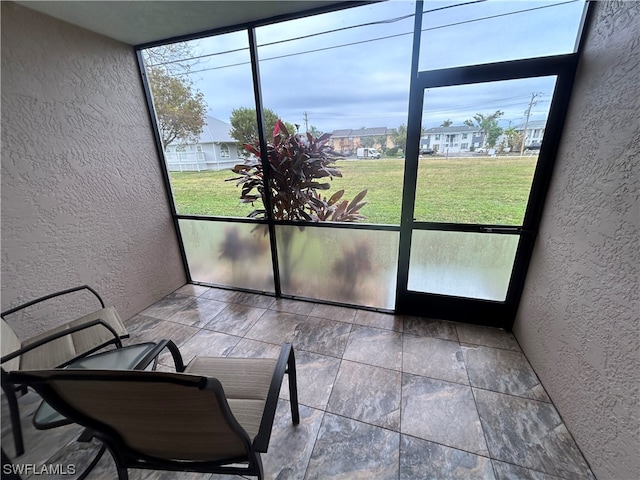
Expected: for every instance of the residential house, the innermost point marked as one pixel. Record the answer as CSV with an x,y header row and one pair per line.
x,y
214,149
84,202
450,140
346,141
534,132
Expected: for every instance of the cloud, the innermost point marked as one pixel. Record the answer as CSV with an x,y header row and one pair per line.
x,y
367,84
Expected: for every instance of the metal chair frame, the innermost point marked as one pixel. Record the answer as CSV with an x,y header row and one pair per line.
x,y
126,457
10,387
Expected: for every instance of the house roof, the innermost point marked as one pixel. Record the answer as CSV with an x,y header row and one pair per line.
x,y
214,130
361,132
532,124
452,129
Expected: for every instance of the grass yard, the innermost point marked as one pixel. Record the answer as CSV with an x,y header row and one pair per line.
x,y
463,190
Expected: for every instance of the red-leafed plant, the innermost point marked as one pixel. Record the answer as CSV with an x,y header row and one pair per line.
x,y
300,167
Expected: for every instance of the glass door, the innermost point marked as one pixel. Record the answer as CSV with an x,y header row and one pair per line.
x,y
477,152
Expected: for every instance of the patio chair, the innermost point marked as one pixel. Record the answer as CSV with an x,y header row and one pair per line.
x,y
56,348
214,417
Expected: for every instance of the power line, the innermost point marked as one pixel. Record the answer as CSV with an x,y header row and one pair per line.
x,y
362,41
499,15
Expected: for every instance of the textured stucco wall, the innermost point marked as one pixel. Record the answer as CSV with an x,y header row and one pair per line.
x,y
578,319
82,193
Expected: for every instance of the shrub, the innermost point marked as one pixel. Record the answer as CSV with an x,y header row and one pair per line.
x,y
300,167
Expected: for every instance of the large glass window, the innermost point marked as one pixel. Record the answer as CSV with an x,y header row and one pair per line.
x,y
342,138
456,34
210,76
346,74
486,181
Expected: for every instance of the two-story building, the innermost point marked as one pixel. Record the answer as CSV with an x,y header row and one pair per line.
x,y
454,139
346,141
534,132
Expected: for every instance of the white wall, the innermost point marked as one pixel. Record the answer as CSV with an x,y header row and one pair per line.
x,y
82,193
578,320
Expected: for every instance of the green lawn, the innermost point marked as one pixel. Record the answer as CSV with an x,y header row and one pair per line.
x,y
465,190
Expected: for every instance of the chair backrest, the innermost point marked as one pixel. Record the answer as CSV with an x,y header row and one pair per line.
x,y
9,343
172,416
62,350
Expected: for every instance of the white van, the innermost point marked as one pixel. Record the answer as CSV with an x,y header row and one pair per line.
x,y
367,153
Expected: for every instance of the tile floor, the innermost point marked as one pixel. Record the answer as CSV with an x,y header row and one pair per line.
x,y
382,396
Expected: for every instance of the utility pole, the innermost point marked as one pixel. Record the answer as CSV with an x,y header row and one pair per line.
x,y
306,121
527,114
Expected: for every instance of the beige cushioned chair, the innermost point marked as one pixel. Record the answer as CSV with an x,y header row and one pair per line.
x,y
214,417
55,348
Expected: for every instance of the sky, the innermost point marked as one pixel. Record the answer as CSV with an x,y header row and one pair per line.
x,y
357,75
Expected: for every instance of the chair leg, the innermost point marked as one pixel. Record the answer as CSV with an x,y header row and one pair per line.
x,y
14,412
293,388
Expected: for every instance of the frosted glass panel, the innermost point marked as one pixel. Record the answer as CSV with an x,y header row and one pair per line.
x,y
340,265
462,264
230,254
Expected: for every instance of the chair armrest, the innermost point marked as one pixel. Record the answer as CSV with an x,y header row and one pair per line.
x,y
53,295
285,363
64,333
173,349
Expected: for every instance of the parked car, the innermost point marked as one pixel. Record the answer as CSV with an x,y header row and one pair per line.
x,y
533,146
427,151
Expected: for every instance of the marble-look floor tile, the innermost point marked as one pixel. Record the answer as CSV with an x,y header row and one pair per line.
x,y
247,348
507,471
78,456
350,450
205,343
291,445
334,312
235,319
435,358
192,289
388,321
374,346
503,371
366,393
423,460
198,312
292,306
486,336
427,327
530,434
441,412
147,329
326,337
39,444
166,307
167,475
252,299
220,294
316,375
276,327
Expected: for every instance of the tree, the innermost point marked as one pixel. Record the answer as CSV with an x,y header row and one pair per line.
x,y
171,58
180,107
488,125
399,136
313,130
244,124
513,139
446,123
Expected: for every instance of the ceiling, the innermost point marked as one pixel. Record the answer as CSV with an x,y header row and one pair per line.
x,y
141,22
